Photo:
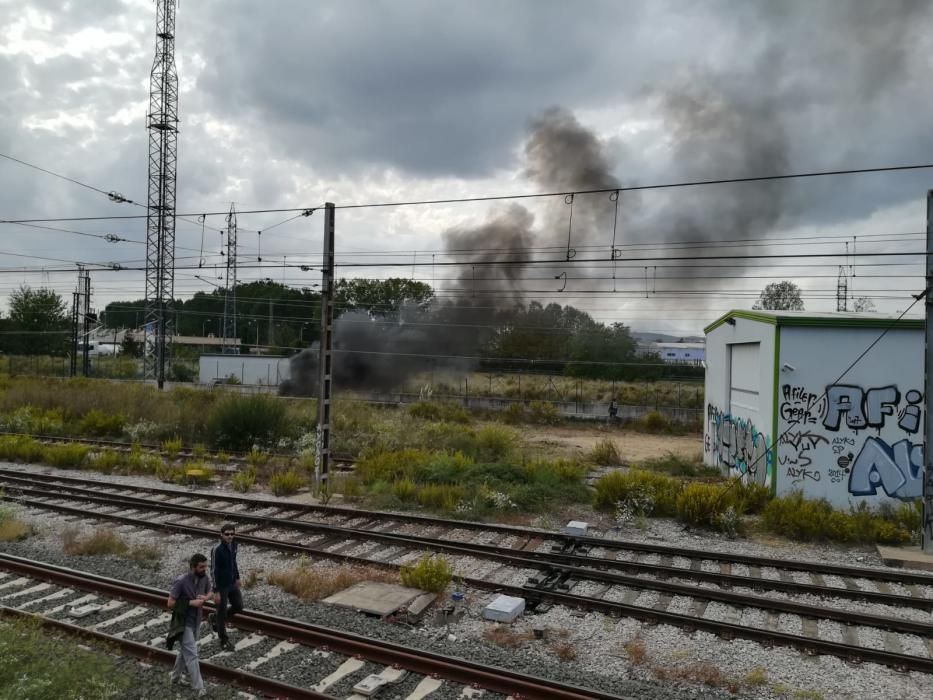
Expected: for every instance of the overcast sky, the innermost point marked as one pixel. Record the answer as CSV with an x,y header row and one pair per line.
x,y
291,103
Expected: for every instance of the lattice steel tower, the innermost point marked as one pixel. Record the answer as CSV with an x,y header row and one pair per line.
x,y
162,122
231,341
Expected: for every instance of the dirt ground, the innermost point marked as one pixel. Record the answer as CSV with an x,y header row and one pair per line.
x,y
634,447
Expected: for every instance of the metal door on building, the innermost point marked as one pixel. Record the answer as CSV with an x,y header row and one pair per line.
x,y
745,380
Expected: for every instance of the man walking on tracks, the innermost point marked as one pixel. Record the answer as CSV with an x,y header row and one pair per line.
x,y
226,578
185,601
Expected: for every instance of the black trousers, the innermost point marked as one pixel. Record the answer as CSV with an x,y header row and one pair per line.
x,y
228,597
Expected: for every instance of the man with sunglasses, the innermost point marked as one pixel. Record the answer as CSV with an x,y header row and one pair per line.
x,y
226,579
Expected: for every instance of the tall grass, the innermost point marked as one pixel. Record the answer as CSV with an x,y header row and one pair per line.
x,y
238,422
815,520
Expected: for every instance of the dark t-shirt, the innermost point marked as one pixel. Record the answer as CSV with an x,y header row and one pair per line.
x,y
190,586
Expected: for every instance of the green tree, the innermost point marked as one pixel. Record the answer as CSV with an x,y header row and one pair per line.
x,y
39,319
381,297
780,296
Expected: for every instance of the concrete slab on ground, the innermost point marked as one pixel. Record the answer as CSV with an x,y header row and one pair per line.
x,y
906,557
374,598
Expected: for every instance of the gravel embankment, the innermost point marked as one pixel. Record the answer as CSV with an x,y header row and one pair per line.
x,y
601,645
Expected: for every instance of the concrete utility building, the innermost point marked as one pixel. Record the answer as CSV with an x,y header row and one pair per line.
x,y
256,370
778,412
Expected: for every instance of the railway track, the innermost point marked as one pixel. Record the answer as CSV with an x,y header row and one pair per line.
x,y
279,657
547,568
341,462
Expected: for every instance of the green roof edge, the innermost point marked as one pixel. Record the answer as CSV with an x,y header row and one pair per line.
x,y
818,321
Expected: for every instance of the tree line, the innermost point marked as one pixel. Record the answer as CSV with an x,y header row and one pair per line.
x,y
548,338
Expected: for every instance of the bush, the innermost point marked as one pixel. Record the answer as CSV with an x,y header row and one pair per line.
x,y
66,456
104,461
440,411
350,488
244,479
702,505
198,472
101,541
237,422
515,413
443,497
810,520
21,449
432,574
619,487
172,447
286,483
169,473
654,422
30,419
543,413
605,453
100,424
11,528
494,442
679,465
405,490
256,458
309,584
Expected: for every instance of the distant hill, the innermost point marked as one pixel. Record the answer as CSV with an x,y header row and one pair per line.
x,y
649,337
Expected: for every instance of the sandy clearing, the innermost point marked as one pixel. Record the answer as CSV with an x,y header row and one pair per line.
x,y
633,446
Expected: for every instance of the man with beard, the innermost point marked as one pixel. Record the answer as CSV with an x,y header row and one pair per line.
x,y
185,601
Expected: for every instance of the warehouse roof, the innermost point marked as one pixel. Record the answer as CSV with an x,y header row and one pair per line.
x,y
821,319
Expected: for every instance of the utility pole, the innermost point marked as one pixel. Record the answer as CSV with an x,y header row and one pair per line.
x,y
162,122
230,334
926,537
842,290
269,340
86,332
75,332
322,452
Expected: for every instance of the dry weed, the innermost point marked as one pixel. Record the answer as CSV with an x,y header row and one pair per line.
x,y
13,530
506,637
565,651
308,584
101,541
252,579
636,651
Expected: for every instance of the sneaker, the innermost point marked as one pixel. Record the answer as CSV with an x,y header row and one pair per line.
x,y
202,693
226,645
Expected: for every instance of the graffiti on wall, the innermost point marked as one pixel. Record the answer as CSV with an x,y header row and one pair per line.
x,y
737,444
835,436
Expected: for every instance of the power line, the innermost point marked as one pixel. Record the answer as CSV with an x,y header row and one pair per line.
x,y
112,195
535,195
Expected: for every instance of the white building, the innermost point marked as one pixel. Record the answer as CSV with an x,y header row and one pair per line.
x,y
265,370
782,409
680,353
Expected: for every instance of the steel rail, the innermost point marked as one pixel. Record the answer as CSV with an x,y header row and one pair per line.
x,y
229,676
900,577
239,457
578,566
454,669
804,610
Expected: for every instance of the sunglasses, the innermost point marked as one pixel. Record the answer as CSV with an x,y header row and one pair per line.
x,y
228,534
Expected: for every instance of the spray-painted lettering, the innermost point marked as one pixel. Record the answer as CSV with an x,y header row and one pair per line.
x,y
869,409
801,406
736,443
896,469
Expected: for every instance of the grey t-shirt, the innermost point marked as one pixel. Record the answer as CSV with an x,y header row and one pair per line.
x,y
190,586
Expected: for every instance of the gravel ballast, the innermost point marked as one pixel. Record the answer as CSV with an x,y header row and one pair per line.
x,y
599,642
